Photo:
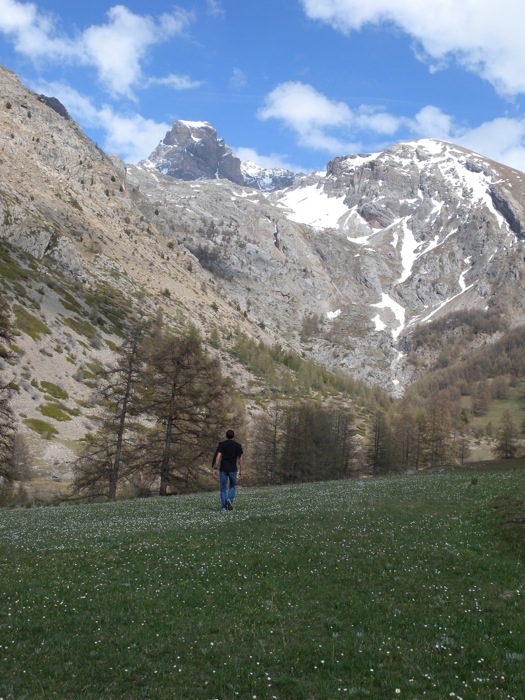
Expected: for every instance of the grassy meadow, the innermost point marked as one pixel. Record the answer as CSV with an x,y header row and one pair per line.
x,y
402,587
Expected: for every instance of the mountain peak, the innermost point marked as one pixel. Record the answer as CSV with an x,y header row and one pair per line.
x,y
191,150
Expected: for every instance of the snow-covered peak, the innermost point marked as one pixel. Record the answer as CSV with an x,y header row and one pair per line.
x,y
195,125
266,179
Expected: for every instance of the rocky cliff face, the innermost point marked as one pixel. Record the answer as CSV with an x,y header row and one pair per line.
x,y
345,264
79,244
266,179
342,266
192,151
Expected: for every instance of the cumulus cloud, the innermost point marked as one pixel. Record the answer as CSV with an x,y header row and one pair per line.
x,y
483,36
116,49
501,139
433,122
333,127
324,124
310,114
129,135
33,32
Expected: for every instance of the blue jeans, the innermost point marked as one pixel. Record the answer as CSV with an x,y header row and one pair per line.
x,y
228,493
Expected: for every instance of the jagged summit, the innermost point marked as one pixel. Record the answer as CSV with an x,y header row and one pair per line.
x,y
347,262
341,265
191,150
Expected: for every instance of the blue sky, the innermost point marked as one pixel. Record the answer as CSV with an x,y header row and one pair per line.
x,y
285,82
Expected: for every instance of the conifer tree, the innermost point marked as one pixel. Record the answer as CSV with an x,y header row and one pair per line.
x,y
98,471
190,402
506,442
268,443
379,448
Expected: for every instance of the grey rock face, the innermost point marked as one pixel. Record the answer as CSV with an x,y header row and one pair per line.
x,y
341,266
363,253
56,105
266,179
192,151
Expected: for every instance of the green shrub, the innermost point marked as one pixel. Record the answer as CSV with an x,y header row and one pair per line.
x,y
29,324
81,327
69,302
52,410
55,391
41,427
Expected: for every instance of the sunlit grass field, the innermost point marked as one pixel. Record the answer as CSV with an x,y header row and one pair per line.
x,y
400,587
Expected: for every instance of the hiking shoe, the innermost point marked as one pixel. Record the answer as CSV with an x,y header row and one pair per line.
x,y
229,504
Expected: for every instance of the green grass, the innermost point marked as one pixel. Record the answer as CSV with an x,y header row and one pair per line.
x,y
42,427
29,324
397,587
81,326
53,410
54,390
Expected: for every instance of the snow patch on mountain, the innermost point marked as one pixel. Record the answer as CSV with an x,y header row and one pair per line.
x,y
399,313
333,314
311,205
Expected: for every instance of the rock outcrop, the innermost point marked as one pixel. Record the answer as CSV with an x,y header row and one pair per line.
x,y
192,151
341,266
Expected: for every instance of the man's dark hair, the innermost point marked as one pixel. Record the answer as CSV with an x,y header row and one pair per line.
x,y
230,434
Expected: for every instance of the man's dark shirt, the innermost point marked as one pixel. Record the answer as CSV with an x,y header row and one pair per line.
x,y
230,450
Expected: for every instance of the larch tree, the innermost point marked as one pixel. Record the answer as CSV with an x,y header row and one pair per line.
x,y
190,402
268,442
379,448
99,468
506,441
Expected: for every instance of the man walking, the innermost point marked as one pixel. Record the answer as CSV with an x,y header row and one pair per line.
x,y
228,452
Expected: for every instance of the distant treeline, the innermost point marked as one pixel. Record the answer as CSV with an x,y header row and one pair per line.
x,y
505,357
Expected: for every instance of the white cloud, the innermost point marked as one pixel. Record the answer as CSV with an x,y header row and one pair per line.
x,y
304,107
368,118
115,49
177,82
130,136
310,114
332,127
485,37
324,124
16,17
501,139
434,123
32,32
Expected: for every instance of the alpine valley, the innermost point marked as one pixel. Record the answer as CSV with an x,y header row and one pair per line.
x,y
346,267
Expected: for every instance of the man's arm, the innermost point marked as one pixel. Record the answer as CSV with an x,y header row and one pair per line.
x,y
241,465
217,463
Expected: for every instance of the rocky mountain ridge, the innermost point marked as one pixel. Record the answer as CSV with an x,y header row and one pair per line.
x,y
342,266
192,151
80,250
360,254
